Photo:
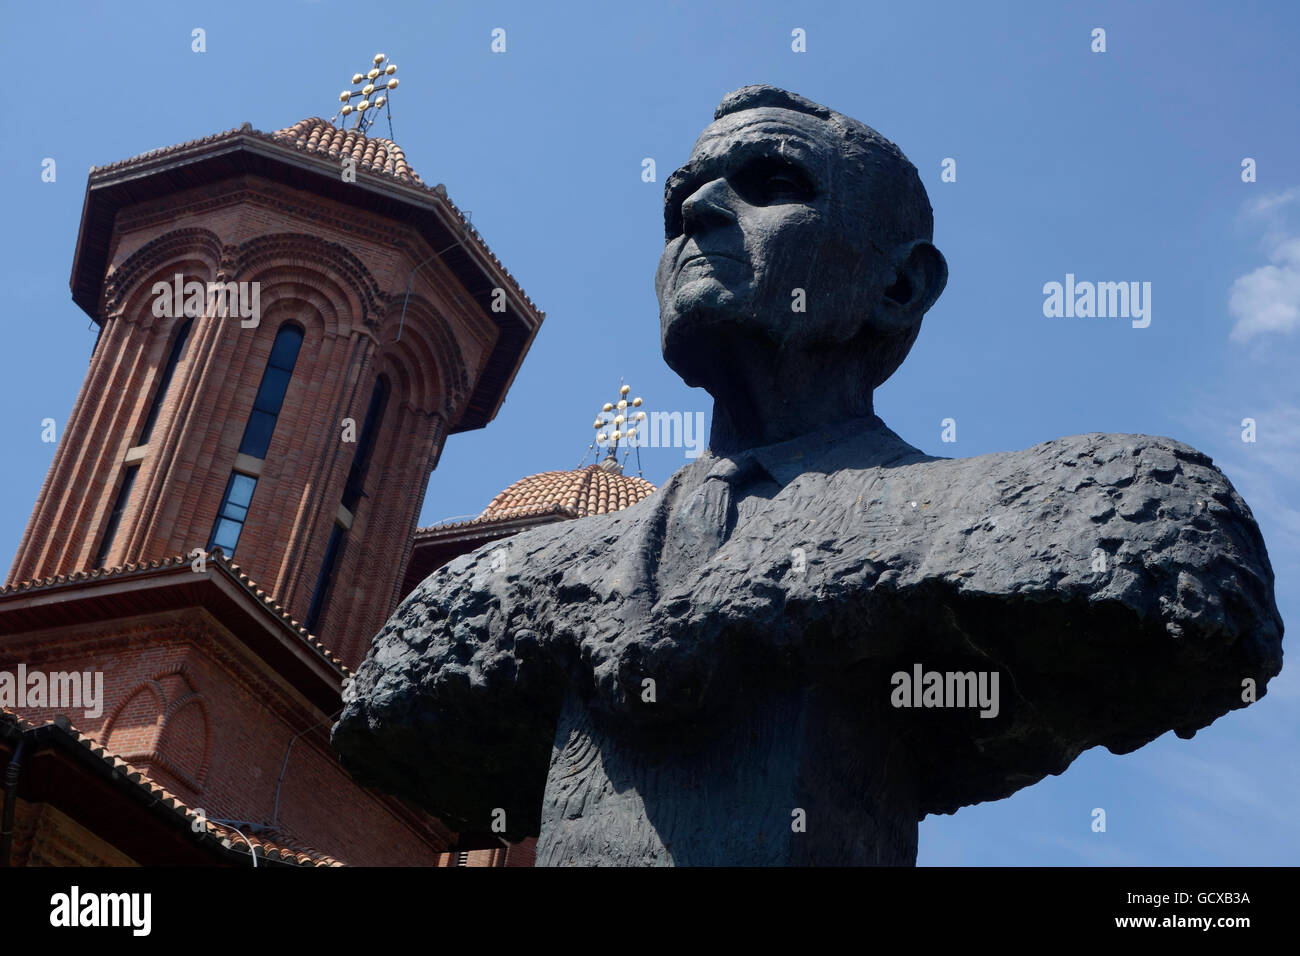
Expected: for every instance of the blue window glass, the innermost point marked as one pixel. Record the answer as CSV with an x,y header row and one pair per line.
x,y
257,438
270,394
284,353
232,513
257,434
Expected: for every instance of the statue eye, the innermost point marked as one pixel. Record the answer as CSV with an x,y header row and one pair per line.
x,y
768,182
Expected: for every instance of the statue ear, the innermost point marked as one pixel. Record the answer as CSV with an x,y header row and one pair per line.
x,y
920,273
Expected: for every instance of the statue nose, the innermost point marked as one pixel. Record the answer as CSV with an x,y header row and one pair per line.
x,y
707,206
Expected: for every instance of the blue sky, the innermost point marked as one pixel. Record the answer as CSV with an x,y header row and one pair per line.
x,y
1115,166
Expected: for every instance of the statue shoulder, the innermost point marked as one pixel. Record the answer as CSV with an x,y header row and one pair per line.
x,y
461,669
1135,472
1119,447
1117,466
1142,520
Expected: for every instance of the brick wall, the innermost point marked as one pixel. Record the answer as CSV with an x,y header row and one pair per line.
x,y
237,719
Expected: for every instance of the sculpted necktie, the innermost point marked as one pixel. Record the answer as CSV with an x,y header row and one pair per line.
x,y
703,520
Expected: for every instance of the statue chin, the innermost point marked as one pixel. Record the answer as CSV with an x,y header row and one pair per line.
x,y
691,320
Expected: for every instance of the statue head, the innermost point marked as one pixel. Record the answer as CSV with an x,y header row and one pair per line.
x,y
793,229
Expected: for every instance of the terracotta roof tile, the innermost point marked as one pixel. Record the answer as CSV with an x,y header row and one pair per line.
x,y
571,494
587,491
377,155
279,849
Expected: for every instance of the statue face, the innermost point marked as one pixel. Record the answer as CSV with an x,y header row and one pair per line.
x,y
764,206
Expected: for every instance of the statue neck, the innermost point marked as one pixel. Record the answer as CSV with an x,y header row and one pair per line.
x,y
773,397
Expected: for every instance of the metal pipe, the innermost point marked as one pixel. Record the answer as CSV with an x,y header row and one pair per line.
x,y
252,850
411,281
275,812
13,771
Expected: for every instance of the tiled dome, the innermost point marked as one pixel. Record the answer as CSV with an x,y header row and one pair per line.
x,y
589,491
375,154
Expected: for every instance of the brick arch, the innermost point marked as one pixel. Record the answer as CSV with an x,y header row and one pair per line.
x,y
305,254
185,741
136,305
180,741
193,244
299,289
136,705
427,342
412,385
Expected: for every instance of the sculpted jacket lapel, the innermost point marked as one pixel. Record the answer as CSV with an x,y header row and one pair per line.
x,y
700,515
696,512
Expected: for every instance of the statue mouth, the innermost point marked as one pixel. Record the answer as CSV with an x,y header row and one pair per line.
x,y
706,256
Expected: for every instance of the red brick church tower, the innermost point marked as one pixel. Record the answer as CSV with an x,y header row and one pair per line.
x,y
291,324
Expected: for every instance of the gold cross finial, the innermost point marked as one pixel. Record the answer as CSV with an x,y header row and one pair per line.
x,y
624,420
371,83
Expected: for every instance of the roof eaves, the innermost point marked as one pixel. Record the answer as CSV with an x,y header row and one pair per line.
x,y
170,153
217,559
213,836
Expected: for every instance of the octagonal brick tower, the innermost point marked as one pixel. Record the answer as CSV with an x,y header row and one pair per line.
x,y
228,430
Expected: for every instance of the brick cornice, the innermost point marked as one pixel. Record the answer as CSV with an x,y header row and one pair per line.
x,y
195,628
266,194
220,592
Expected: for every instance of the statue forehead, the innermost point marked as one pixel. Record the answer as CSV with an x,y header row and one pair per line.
x,y
765,124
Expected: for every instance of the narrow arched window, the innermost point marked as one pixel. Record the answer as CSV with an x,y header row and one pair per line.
x,y
233,512
115,516
354,489
270,394
165,380
321,592
257,439
353,492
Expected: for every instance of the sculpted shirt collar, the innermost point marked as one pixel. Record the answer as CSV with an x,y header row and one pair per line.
x,y
848,443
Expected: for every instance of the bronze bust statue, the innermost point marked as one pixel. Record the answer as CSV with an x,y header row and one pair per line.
x,y
717,674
